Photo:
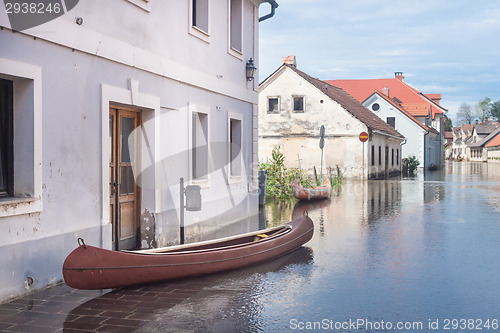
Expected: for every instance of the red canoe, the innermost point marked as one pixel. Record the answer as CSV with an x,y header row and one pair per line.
x,y
318,192
89,267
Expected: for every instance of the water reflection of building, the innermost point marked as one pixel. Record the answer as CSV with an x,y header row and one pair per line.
x,y
383,199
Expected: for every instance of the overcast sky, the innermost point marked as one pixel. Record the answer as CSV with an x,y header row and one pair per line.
x,y
451,47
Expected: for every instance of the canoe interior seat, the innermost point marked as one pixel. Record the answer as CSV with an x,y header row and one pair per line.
x,y
259,237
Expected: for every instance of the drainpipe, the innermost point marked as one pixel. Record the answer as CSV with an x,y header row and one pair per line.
x,y
401,153
425,147
274,5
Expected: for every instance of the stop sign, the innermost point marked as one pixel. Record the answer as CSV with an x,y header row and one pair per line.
x,y
363,136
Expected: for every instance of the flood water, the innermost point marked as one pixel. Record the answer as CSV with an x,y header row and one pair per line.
x,y
412,255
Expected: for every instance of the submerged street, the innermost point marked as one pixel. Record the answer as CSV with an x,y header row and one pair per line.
x,y
411,255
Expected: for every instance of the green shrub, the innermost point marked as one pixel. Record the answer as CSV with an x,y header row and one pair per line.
x,y
280,178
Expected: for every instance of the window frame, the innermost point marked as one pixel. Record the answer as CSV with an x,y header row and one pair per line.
x,y
303,103
392,118
27,152
278,104
7,140
233,178
195,30
199,110
238,53
143,4
373,155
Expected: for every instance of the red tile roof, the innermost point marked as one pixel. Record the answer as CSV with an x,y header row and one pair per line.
x,y
494,142
412,100
400,108
467,127
350,104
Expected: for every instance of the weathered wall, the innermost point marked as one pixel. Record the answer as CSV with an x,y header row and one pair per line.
x,y
298,132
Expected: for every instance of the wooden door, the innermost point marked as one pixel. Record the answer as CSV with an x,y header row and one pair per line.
x,y
124,192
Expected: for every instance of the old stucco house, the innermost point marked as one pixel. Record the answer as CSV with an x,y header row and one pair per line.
x,y
102,111
493,147
425,108
292,108
462,137
421,141
482,149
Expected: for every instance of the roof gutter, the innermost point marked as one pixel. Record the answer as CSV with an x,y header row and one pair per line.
x,y
274,5
389,135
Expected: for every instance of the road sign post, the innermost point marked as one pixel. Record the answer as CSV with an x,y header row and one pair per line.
x,y
363,137
321,145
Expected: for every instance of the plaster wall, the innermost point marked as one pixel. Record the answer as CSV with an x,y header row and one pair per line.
x,y
413,133
298,132
122,55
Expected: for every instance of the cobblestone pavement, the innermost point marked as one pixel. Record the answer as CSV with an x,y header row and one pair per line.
x,y
224,302
150,308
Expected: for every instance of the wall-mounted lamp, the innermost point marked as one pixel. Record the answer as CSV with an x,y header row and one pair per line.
x,y
250,70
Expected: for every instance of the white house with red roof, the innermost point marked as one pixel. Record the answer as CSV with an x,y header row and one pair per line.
x,y
462,137
482,135
294,105
493,147
423,107
421,141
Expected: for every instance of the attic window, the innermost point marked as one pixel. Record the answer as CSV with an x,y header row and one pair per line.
x,y
298,103
273,105
375,107
391,121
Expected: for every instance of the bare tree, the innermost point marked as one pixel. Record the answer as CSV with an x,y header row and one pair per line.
x,y
465,114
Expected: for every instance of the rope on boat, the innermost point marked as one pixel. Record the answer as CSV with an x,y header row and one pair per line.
x,y
81,242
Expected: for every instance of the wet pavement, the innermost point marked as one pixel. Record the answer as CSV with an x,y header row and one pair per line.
x,y
413,255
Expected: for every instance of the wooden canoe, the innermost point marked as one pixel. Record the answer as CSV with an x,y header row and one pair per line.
x,y
318,192
89,267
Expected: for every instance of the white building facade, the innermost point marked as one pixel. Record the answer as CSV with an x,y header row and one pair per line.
x,y
421,141
104,108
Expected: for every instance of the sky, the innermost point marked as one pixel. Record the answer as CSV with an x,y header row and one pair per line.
x,y
451,47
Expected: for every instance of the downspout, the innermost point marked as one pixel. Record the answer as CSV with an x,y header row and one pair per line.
x,y
401,153
426,145
274,5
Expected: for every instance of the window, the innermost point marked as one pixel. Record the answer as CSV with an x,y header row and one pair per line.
x,y
200,15
21,138
397,156
235,147
379,155
199,151
375,107
373,155
391,121
235,28
392,157
298,104
273,105
6,138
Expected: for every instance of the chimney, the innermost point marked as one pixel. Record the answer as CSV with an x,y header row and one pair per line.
x,y
290,60
399,76
385,91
